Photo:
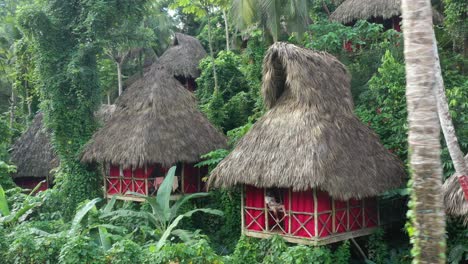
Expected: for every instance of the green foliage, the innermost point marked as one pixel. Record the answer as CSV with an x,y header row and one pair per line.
x,y
198,252
377,249
231,106
211,159
342,254
81,249
19,212
455,12
163,217
457,242
303,254
124,251
385,106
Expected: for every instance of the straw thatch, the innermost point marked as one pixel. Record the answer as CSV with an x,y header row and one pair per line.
x,y
156,121
33,153
310,136
352,10
104,113
181,60
454,198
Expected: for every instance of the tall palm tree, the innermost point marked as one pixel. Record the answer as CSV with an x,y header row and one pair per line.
x,y
272,15
424,133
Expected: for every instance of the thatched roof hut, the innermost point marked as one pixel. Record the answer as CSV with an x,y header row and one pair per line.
x,y
454,198
182,58
352,10
33,153
156,120
309,137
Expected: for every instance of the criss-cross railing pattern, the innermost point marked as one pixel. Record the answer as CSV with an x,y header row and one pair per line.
x,y
315,221
255,219
120,185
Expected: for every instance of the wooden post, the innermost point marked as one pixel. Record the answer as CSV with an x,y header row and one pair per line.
x,y
347,215
378,212
363,205
333,215
182,178
265,209
290,211
120,178
315,212
242,211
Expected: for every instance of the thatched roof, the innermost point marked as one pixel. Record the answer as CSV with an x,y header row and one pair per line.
x,y
454,198
104,113
182,58
156,121
33,153
309,137
352,10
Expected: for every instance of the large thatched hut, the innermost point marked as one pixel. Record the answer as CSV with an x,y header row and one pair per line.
x,y
311,170
156,124
456,201
386,12
34,156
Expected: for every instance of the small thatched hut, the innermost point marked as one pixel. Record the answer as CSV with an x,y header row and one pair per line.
x,y
386,12
456,201
34,156
310,169
182,58
156,124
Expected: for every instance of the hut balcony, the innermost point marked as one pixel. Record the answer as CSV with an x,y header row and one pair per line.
x,y
121,183
308,217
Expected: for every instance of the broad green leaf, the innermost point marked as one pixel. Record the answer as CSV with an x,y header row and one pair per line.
x,y
163,195
82,213
4,210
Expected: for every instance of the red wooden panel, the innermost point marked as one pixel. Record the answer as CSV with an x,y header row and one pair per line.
x,y
139,184
127,182
190,179
355,214
324,208
254,218
301,224
341,216
31,183
370,212
113,185
114,170
463,180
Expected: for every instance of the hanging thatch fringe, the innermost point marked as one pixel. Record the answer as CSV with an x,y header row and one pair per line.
x,y
310,136
454,198
352,10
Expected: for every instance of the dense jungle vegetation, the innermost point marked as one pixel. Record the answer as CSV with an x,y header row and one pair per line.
x,y
66,58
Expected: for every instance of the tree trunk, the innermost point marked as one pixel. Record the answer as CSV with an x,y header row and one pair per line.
x,y
12,107
108,98
119,76
445,118
215,76
226,28
428,218
28,101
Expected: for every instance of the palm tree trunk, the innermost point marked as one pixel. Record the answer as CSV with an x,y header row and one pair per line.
x,y
12,107
119,76
108,98
226,28
424,132
215,76
446,119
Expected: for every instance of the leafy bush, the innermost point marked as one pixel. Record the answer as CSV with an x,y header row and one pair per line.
x,y
197,253
81,249
124,251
